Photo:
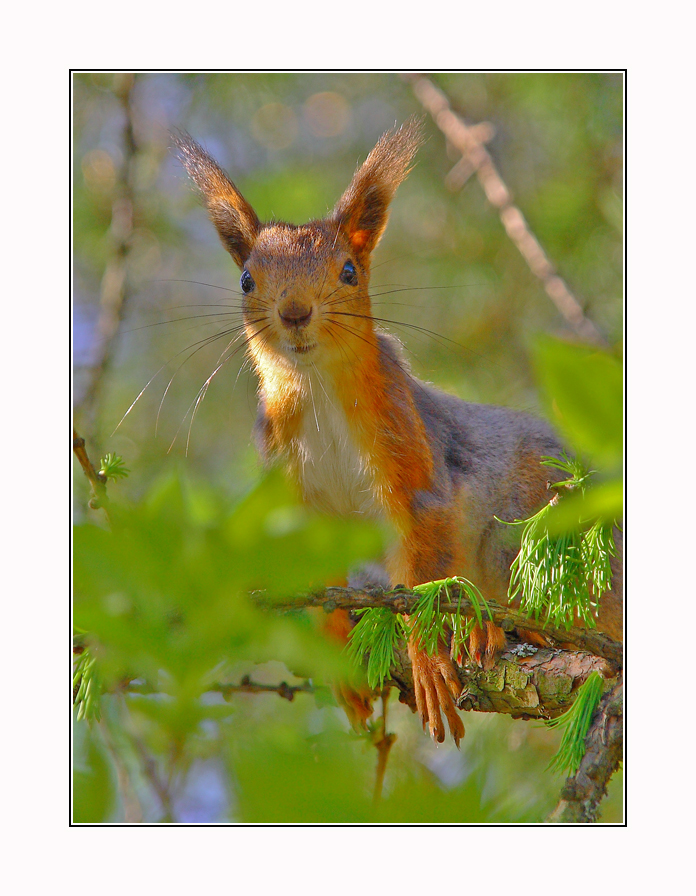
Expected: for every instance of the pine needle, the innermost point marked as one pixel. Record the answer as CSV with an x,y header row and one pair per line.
x,y
375,636
428,625
86,687
560,577
113,467
576,722
597,550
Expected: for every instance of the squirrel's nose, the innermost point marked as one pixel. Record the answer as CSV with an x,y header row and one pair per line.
x,y
295,315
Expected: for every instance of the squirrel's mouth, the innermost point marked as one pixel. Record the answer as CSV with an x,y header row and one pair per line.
x,y
302,349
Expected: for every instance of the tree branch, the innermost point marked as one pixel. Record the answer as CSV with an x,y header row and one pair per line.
x,y
402,600
526,682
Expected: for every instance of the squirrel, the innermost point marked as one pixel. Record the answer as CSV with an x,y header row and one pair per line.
x,y
340,408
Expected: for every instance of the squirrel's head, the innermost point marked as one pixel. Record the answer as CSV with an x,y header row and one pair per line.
x,y
305,288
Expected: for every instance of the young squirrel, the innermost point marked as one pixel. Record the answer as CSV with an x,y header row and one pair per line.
x,y
340,408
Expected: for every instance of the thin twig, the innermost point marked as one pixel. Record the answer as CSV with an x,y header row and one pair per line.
x,y
245,686
114,290
149,767
132,810
469,141
96,479
383,743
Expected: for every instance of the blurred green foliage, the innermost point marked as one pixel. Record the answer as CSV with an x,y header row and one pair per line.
x,y
165,600
165,595
94,785
584,387
583,391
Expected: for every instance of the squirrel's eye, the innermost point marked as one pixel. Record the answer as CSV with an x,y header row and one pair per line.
x,y
246,282
349,275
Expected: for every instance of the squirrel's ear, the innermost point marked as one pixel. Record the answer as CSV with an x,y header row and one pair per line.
x,y
362,211
234,218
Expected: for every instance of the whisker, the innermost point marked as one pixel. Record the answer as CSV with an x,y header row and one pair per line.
x,y
244,366
201,344
355,332
205,305
193,407
325,299
204,388
320,380
197,283
318,293
342,344
395,362
204,342
389,261
393,288
177,320
311,395
397,323
398,304
352,330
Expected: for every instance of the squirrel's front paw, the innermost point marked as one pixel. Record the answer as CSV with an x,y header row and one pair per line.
x,y
437,689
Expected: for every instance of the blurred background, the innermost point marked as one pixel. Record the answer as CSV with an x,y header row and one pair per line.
x,y
153,288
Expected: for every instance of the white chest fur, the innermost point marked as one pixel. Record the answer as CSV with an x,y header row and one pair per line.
x,y
335,477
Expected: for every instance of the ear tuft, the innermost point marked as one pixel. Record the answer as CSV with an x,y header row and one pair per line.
x,y
363,210
235,220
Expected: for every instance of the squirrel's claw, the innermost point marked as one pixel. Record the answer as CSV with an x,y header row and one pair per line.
x,y
436,689
486,644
